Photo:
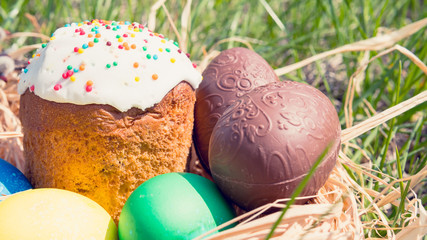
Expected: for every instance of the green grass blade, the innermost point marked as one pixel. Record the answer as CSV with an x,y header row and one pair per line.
x,y
298,190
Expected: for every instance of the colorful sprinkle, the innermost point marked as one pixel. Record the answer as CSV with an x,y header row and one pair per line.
x,y
154,76
25,70
91,44
69,67
167,49
136,79
82,67
88,88
52,38
108,43
73,78
114,63
132,34
75,70
160,49
135,65
133,46
176,44
80,50
194,65
163,41
173,60
89,83
108,65
32,88
44,45
84,46
98,35
148,56
57,87
96,40
144,48
76,49
155,57
90,35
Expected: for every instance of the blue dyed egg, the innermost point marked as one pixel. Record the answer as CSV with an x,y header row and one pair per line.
x,y
11,179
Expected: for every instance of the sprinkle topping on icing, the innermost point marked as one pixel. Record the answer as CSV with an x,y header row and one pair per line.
x,y
122,64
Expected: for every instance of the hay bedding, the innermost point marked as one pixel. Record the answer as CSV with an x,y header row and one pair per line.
x,y
336,211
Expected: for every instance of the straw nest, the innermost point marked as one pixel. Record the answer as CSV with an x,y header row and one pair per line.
x,y
336,211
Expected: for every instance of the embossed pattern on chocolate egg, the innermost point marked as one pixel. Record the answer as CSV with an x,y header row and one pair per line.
x,y
266,142
230,75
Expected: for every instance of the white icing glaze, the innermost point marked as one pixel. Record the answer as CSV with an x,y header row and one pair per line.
x,y
127,82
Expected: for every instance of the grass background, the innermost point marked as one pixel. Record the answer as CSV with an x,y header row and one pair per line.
x,y
301,29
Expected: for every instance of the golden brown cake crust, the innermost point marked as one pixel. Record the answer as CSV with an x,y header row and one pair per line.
x,y
103,153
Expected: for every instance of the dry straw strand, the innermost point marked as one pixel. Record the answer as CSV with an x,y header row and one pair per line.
x,y
23,50
153,12
28,34
353,83
34,22
372,44
295,214
172,23
4,135
357,130
185,25
416,222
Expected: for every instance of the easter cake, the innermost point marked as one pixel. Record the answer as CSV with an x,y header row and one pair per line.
x,y
105,106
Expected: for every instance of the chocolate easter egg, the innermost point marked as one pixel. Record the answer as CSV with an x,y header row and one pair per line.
x,y
267,141
233,73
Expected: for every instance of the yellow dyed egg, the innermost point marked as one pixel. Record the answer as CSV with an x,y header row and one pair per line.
x,y
49,213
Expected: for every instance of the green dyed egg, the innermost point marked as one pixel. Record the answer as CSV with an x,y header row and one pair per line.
x,y
173,206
